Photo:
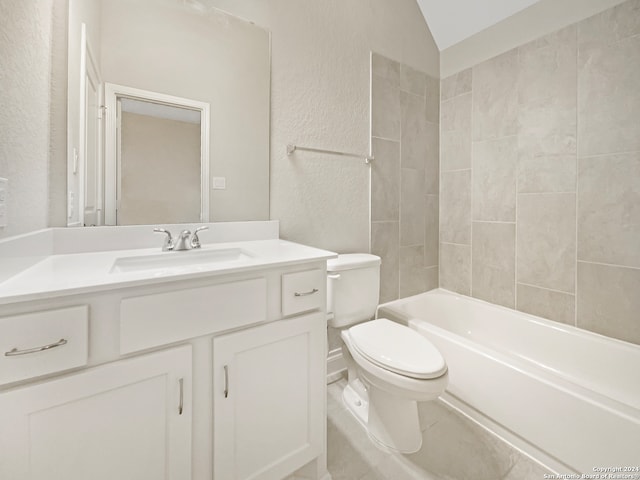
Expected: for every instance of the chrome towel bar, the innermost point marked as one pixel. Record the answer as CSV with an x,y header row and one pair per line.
x,y
293,148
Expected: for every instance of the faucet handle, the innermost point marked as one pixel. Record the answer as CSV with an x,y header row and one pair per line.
x,y
195,240
168,242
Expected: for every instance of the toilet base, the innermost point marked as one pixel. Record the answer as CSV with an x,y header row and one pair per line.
x,y
391,422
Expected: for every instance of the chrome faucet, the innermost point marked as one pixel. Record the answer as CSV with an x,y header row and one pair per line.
x,y
185,240
195,240
168,241
182,242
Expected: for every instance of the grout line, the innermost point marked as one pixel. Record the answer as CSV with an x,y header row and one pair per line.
x,y
612,265
545,288
494,221
457,95
601,155
494,139
382,138
413,93
440,109
548,193
471,150
457,244
385,221
575,300
517,187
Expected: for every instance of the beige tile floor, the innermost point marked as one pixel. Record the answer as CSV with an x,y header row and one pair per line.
x,y
454,448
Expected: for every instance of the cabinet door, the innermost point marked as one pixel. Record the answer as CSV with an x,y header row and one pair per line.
x,y
269,394
117,421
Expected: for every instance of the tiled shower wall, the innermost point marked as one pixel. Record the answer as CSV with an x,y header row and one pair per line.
x,y
404,177
540,176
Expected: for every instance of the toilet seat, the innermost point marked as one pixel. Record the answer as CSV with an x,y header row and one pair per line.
x,y
398,349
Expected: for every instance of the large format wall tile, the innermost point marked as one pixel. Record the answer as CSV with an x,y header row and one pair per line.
x,y
455,268
432,99
385,243
548,67
455,128
493,262
412,80
414,137
550,304
412,271
494,179
405,180
610,26
495,97
455,207
609,209
609,98
431,231
431,280
385,180
386,68
385,108
545,174
572,102
547,127
608,300
456,84
546,240
432,162
412,208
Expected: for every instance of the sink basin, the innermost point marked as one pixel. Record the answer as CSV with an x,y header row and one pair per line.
x,y
178,261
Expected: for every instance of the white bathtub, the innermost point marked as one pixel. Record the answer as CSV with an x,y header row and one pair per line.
x,y
568,397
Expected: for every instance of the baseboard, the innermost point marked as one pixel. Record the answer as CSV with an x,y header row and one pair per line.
x,y
335,365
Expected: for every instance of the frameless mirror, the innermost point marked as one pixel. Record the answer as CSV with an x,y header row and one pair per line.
x,y
143,77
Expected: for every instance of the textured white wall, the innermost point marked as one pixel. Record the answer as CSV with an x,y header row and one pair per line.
x,y
25,51
320,98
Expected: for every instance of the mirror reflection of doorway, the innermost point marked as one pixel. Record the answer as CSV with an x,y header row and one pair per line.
x,y
158,163
156,158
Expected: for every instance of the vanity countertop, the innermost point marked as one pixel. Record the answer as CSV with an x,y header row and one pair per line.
x,y
78,273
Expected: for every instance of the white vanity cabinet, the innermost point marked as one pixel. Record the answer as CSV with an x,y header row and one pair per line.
x,y
268,403
127,420
214,377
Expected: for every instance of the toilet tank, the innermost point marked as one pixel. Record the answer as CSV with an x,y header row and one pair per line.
x,y
353,285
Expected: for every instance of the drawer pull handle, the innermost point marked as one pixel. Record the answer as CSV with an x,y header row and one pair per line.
x,y
14,352
181,405
226,381
305,294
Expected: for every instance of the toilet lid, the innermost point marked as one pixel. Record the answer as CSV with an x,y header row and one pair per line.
x,y
397,348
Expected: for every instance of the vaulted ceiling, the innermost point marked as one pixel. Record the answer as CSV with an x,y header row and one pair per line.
x,y
452,21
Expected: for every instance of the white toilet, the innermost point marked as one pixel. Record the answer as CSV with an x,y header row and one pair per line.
x,y
391,367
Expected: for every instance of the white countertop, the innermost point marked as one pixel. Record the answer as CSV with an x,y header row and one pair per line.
x,y
76,273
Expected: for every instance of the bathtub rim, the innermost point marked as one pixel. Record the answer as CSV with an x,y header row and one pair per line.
x,y
564,327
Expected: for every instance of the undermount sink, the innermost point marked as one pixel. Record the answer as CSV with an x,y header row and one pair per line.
x,y
192,259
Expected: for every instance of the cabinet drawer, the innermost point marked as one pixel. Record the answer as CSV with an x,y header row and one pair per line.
x,y
44,342
303,291
159,319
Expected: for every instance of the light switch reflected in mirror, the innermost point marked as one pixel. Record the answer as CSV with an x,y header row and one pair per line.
x,y
174,48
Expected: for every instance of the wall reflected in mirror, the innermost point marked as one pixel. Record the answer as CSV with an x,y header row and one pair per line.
x,y
158,163
175,48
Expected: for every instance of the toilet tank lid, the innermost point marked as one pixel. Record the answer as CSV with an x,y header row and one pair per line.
x,y
350,261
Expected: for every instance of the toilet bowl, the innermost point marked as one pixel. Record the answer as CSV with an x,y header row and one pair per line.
x,y
390,367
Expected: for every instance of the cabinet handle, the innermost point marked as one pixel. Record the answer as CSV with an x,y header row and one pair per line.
x,y
305,294
15,352
181,404
226,381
